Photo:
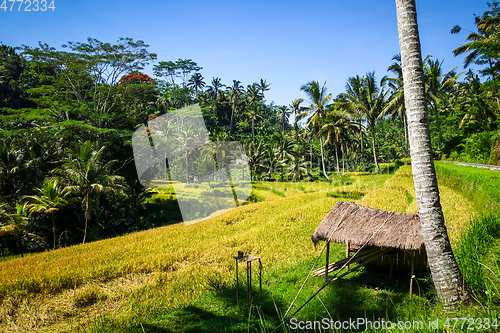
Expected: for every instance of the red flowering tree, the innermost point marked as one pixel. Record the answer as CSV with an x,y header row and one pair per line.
x,y
135,78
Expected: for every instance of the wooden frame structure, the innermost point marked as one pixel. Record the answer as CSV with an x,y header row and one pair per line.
x,y
377,237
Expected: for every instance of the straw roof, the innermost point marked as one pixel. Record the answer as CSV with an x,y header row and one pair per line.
x,y
401,231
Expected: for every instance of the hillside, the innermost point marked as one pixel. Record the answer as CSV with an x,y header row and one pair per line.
x,y
167,277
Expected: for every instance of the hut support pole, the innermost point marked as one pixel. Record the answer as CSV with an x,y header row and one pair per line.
x,y
249,281
411,277
347,251
327,260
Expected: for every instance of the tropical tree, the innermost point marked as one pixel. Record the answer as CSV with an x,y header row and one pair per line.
x,y
217,85
236,90
49,200
284,115
396,102
253,97
263,86
336,126
320,101
482,45
438,87
296,165
473,101
87,176
256,157
196,82
365,99
449,282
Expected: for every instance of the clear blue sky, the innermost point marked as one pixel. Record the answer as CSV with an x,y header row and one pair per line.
x,y
288,43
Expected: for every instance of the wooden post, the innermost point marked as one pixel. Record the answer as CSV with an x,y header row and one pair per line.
x,y
327,263
236,280
347,250
249,280
411,276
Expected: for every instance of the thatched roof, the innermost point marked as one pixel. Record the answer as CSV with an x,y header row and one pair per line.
x,y
401,231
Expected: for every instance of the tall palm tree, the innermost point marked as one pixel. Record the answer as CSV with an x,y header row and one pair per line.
x,y
366,99
337,127
49,200
217,85
482,45
296,165
470,99
253,97
256,157
87,176
284,114
449,282
196,81
396,102
236,90
438,86
320,101
263,86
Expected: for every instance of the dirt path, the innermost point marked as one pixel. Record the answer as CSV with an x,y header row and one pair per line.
x,y
484,166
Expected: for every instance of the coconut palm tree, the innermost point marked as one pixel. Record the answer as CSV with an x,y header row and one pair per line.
x,y
196,81
87,176
253,98
49,200
217,85
263,86
366,99
438,86
296,164
482,45
284,115
256,157
320,101
235,91
449,282
336,126
396,102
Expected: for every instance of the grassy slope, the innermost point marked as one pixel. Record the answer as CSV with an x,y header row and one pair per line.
x,y
179,278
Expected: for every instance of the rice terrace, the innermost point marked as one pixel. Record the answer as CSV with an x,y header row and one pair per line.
x,y
325,171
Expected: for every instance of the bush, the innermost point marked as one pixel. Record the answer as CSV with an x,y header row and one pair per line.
x,y
478,147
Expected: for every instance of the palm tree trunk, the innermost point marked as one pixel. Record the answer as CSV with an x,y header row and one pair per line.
x,y
253,126
232,117
374,152
187,166
343,157
405,126
53,230
449,282
362,152
337,158
86,217
311,165
97,215
323,158
438,124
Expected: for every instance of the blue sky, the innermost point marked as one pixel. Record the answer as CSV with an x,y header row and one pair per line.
x,y
288,43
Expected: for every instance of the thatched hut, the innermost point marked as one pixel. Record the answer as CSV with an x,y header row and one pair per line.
x,y
398,236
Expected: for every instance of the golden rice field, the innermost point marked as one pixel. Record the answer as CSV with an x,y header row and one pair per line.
x,y
122,279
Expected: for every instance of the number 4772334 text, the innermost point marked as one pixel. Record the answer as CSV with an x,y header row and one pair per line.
x,y
28,5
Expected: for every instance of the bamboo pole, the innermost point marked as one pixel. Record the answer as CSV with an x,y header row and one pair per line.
x,y
411,275
327,263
